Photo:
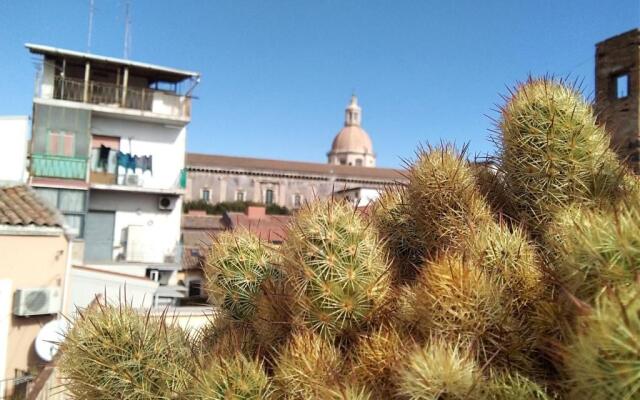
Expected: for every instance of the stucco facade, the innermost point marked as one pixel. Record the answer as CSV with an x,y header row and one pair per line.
x,y
287,183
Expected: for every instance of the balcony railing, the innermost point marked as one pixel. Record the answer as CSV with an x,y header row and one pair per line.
x,y
111,95
45,165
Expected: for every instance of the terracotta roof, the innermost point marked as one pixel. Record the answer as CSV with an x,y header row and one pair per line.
x,y
197,162
205,222
271,228
19,205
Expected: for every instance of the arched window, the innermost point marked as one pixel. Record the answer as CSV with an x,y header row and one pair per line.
x,y
297,200
359,162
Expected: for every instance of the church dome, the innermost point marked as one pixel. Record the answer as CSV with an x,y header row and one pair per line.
x,y
352,138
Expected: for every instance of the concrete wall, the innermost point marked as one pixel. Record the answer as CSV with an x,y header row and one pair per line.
x,y
86,283
162,228
25,267
13,152
166,144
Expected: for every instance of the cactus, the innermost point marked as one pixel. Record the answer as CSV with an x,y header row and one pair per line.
x,y
235,269
350,393
232,378
444,199
439,370
224,337
466,284
116,353
337,268
595,249
376,358
603,359
456,299
308,367
507,253
390,216
513,386
552,152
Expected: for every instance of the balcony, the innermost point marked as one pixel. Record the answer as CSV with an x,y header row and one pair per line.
x,y
110,97
50,166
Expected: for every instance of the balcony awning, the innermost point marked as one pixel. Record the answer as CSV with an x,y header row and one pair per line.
x,y
158,72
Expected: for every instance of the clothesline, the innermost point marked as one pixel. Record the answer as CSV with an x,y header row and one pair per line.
x,y
126,160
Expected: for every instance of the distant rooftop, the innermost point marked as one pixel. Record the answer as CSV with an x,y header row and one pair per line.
x,y
197,162
164,73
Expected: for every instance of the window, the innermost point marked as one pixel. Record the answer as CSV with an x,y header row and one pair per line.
x,y
60,143
297,200
268,197
206,195
195,288
359,162
622,86
71,203
239,196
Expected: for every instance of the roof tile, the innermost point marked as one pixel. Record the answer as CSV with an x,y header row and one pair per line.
x,y
19,205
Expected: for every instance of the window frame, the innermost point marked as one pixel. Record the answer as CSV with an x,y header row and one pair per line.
x,y
208,197
62,134
617,79
269,196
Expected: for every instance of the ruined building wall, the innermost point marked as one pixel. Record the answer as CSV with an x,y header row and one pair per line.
x,y
617,101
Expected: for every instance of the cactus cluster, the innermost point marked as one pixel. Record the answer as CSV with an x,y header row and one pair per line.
x,y
517,280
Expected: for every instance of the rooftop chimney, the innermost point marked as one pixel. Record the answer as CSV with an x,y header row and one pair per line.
x,y
255,212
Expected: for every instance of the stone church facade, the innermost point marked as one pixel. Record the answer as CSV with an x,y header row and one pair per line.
x,y
350,164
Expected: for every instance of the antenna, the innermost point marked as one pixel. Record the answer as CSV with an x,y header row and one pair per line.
x,y
127,29
91,10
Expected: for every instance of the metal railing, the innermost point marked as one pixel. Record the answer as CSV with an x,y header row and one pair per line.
x,y
107,94
51,166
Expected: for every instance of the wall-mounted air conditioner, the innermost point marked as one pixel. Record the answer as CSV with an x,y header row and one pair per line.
x,y
167,203
36,301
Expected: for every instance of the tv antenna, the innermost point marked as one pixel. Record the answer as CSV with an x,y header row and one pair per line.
x,y
127,29
90,31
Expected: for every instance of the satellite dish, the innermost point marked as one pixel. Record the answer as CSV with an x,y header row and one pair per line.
x,y
50,337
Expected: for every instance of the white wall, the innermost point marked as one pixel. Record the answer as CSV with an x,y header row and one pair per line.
x,y
364,196
166,144
13,152
162,227
86,284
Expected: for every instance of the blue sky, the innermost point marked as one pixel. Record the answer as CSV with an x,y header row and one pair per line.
x,y
276,75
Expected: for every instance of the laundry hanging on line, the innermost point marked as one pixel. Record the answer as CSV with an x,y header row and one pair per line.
x,y
131,162
103,156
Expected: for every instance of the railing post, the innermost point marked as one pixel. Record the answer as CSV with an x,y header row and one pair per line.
x,y
87,71
125,83
62,81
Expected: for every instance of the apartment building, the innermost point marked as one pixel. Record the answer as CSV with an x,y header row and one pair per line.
x,y
108,150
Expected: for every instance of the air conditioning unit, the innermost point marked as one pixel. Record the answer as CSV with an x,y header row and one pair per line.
x,y
132,180
167,203
36,301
